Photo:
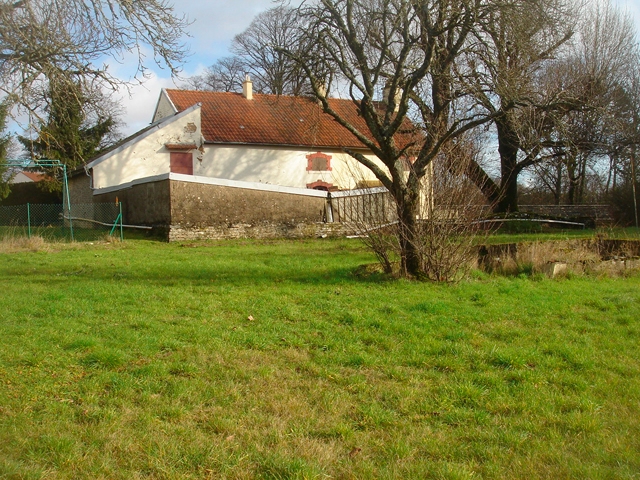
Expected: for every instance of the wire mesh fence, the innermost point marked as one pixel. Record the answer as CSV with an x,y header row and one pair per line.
x,y
81,222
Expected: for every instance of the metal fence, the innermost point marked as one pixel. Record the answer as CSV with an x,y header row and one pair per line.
x,y
373,206
82,222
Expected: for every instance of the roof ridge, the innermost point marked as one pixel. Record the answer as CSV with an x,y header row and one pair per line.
x,y
274,95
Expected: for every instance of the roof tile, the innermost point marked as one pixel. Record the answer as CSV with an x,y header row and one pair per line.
x,y
270,119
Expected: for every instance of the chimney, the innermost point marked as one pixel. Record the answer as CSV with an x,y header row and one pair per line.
x,y
247,88
386,93
321,89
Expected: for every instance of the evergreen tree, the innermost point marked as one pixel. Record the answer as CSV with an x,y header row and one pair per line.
x,y
68,135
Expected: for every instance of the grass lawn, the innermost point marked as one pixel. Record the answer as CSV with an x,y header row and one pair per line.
x,y
553,234
139,360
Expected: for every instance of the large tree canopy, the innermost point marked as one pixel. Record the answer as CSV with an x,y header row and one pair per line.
x,y
501,69
40,38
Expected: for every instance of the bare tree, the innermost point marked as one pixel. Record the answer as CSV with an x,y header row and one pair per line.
x,y
602,65
41,37
596,71
259,52
226,75
622,180
449,235
510,48
450,204
261,49
404,51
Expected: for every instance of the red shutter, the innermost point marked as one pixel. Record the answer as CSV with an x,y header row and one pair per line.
x,y
182,162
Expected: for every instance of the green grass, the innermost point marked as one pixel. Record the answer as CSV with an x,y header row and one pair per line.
x,y
138,360
560,234
61,234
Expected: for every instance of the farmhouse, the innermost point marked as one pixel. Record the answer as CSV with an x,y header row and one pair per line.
x,y
218,164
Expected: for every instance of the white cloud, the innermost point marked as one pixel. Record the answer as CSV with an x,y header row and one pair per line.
x,y
213,28
139,101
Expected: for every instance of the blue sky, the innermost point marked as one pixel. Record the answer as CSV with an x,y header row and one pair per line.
x,y
214,25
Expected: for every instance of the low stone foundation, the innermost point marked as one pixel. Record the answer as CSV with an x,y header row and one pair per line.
x,y
178,233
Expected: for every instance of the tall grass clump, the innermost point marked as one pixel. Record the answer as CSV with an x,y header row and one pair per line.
x,y
18,242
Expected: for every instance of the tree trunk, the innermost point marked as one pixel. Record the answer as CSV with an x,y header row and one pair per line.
x,y
508,202
573,179
407,208
557,192
508,147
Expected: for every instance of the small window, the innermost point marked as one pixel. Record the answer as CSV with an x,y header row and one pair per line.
x,y
323,186
318,162
182,162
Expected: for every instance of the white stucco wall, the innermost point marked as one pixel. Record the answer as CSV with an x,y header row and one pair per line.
x,y
164,108
277,166
21,178
146,155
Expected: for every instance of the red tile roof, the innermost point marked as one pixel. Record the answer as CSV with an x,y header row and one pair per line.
x,y
270,119
34,176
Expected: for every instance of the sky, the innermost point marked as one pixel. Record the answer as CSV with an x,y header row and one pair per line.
x,y
215,23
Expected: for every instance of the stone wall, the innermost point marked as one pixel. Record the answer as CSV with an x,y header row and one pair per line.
x,y
181,210
202,211
262,230
143,204
80,188
197,205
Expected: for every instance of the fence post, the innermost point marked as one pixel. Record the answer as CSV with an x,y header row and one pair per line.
x,y
121,232
28,220
66,191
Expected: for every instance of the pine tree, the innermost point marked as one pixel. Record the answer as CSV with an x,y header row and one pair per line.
x,y
67,135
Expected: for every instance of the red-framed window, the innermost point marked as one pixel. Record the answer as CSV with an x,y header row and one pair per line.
x,y
318,162
320,185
